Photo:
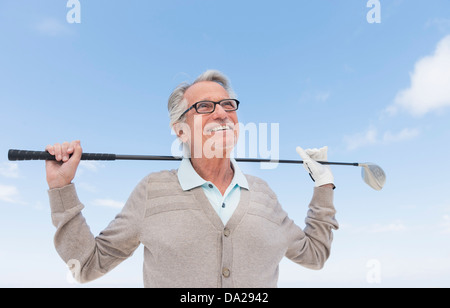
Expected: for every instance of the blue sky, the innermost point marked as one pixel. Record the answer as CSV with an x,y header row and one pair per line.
x,y
374,92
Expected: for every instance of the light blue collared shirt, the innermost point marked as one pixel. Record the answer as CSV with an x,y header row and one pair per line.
x,y
223,205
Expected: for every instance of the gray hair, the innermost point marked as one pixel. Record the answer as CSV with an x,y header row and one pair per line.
x,y
177,102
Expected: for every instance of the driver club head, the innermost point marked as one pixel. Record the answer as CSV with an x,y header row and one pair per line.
x,y
373,175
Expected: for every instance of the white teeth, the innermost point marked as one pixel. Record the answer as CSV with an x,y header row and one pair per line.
x,y
223,127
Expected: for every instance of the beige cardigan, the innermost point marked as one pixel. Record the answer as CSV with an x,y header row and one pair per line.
x,y
185,241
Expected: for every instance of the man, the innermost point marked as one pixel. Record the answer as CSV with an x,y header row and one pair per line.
x,y
205,224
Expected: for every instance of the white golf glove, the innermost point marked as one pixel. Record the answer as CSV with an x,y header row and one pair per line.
x,y
321,174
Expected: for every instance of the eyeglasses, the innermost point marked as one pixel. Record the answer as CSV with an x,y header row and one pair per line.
x,y
205,107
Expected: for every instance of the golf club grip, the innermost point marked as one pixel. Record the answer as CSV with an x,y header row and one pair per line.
x,y
14,155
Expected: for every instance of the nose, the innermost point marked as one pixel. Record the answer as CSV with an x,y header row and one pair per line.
x,y
219,112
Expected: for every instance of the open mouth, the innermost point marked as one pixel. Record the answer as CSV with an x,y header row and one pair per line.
x,y
218,128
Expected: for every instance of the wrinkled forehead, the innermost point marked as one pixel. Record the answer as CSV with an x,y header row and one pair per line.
x,y
205,90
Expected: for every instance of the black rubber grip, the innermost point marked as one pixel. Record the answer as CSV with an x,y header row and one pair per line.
x,y
14,155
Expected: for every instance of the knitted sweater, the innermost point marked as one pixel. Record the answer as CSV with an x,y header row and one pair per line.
x,y
185,241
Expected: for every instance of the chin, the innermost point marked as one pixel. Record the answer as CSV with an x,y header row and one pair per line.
x,y
219,146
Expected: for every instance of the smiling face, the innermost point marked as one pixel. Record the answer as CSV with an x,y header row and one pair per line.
x,y
209,135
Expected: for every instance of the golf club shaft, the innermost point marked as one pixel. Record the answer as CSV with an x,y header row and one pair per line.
x,y
21,155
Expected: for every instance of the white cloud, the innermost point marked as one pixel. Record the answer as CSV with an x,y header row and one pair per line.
x,y
88,166
372,137
322,96
9,170
91,165
9,194
315,96
87,187
361,139
442,24
430,84
392,227
405,134
108,203
445,225
52,27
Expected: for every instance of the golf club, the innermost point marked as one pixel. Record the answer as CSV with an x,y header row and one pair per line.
x,y
372,174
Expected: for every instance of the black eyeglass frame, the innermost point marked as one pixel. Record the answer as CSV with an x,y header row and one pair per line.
x,y
214,108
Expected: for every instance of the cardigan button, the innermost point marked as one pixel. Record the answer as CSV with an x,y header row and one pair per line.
x,y
226,232
226,272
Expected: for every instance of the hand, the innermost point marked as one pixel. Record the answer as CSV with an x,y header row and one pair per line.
x,y
321,174
62,171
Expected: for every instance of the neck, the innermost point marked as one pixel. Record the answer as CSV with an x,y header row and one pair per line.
x,y
215,170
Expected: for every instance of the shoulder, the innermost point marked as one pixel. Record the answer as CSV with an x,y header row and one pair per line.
x,y
263,201
164,193
160,176
259,186
161,183
157,181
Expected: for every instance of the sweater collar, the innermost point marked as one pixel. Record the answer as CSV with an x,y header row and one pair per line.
x,y
189,178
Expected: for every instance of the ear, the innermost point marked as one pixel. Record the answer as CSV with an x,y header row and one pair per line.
x,y
182,131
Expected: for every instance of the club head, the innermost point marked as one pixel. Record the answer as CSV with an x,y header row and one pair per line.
x,y
373,175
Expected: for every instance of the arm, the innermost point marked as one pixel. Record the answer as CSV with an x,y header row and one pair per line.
x,y
311,246
94,256
91,256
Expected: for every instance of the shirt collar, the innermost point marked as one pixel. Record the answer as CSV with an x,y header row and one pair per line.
x,y
189,178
